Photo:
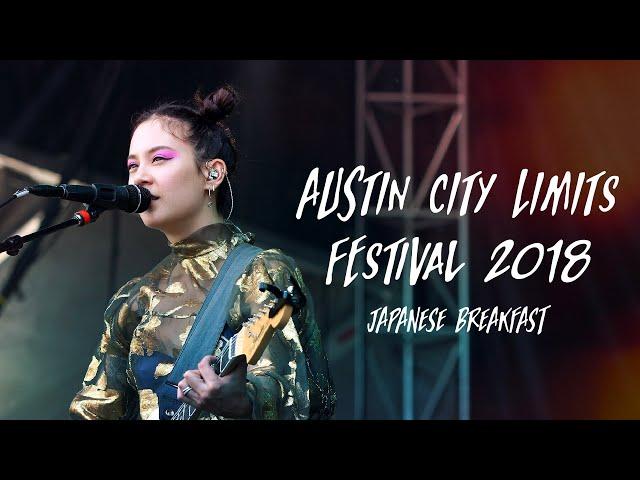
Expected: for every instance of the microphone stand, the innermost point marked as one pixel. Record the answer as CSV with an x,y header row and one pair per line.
x,y
90,214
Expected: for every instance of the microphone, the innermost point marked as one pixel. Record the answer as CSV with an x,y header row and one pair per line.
x,y
130,198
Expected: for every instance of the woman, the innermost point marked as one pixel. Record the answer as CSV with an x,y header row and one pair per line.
x,y
184,156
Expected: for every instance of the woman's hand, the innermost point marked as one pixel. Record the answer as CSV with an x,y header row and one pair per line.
x,y
225,396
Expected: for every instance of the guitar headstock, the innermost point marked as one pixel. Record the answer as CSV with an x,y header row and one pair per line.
x,y
255,335
292,295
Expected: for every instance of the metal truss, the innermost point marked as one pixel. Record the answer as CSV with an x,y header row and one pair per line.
x,y
451,372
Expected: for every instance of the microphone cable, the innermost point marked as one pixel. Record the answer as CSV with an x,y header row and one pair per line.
x,y
20,193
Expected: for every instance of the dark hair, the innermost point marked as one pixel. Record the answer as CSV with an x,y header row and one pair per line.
x,y
210,137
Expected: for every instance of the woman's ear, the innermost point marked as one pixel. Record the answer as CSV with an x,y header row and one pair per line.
x,y
214,171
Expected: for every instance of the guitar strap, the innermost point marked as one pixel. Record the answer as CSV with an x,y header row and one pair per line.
x,y
208,325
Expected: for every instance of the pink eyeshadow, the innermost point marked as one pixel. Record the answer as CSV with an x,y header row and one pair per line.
x,y
166,153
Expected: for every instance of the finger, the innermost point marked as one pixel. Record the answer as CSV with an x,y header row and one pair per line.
x,y
208,360
240,369
193,377
206,370
195,381
182,384
190,397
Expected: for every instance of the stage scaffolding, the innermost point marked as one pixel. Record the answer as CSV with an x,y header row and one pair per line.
x,y
390,86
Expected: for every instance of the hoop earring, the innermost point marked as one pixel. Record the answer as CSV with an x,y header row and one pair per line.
x,y
230,193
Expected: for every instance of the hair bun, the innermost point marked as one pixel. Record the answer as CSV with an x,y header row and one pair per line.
x,y
218,105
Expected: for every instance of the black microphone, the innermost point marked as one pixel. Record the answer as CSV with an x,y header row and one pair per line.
x,y
130,198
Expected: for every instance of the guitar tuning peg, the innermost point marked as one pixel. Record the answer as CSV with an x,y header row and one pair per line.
x,y
272,288
294,295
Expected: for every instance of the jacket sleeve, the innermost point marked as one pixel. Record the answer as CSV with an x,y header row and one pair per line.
x,y
106,394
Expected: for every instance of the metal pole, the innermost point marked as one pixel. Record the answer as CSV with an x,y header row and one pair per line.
x,y
359,346
407,290
463,236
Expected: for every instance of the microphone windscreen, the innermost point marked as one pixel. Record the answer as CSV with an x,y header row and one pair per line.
x,y
138,202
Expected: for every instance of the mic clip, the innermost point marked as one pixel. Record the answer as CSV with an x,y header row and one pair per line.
x,y
89,215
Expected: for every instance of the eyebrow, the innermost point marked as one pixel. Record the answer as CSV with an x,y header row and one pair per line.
x,y
151,150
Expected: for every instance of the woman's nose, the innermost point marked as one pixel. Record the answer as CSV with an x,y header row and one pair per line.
x,y
141,176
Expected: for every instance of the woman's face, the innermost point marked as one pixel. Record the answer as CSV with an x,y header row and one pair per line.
x,y
166,166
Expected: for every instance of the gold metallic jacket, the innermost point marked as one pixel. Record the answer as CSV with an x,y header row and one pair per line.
x,y
148,319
